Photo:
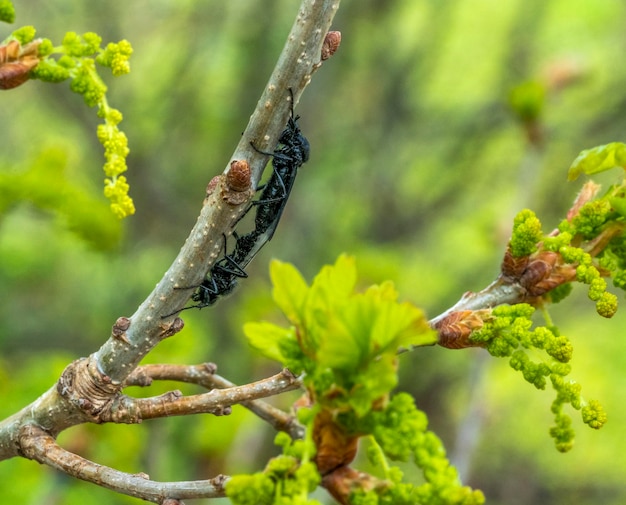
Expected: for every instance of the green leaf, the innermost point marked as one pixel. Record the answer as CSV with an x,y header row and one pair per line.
x,y
267,338
377,381
329,292
290,290
338,347
335,283
598,159
397,324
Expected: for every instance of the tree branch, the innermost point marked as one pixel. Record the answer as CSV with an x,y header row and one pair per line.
x,y
204,375
301,56
522,279
89,387
39,446
218,401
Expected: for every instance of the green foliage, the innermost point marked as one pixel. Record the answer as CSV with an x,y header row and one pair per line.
x,y
399,433
24,35
591,218
115,56
46,184
287,479
527,100
344,342
588,273
7,11
598,159
590,240
510,334
77,62
526,234
559,293
250,489
464,151
601,223
594,415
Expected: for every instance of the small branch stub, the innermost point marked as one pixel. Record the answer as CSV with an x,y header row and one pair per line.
x,y
119,329
172,329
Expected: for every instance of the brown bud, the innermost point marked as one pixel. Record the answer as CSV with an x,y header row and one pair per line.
x,y
539,268
511,267
330,44
238,183
238,177
211,368
343,481
118,331
122,324
14,74
173,328
560,274
455,329
9,52
335,447
16,62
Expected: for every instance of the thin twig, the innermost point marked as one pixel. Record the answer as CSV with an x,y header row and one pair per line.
x,y
217,401
204,375
39,446
497,293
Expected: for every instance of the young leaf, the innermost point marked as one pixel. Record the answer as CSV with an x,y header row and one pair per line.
x,y
337,281
339,347
598,159
267,338
397,324
290,290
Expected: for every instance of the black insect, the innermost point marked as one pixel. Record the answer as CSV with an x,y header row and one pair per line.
x,y
222,277
292,153
221,281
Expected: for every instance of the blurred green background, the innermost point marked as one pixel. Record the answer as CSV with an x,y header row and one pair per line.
x,y
418,164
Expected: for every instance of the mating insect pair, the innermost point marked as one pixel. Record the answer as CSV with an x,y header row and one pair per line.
x,y
287,159
292,154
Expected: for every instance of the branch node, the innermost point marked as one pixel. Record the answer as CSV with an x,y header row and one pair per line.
x,y
222,411
172,501
171,395
118,331
32,440
289,375
86,388
173,328
211,368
